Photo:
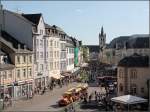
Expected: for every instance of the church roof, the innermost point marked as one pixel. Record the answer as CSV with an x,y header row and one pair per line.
x,y
93,48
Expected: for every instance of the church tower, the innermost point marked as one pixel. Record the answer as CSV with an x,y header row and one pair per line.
x,y
102,39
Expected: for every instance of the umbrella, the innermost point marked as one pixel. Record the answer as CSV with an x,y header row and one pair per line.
x,y
128,99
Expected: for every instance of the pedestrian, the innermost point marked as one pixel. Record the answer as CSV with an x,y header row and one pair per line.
x,y
90,97
96,96
95,92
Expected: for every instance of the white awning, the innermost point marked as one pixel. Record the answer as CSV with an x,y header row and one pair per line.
x,y
129,99
58,76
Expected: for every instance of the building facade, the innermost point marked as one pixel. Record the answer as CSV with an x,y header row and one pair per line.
x,y
22,78
133,75
30,29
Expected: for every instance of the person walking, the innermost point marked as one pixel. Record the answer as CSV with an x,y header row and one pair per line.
x,y
90,97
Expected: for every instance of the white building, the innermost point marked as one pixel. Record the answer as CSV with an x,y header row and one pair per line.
x,y
53,49
70,54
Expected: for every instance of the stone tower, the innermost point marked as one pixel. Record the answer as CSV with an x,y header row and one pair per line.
x,y
102,39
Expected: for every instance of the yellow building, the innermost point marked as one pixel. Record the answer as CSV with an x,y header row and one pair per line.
x,y
6,75
22,58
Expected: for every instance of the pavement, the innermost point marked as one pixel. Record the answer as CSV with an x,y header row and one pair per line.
x,y
46,102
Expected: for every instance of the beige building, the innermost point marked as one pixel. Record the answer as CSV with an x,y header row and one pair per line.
x,y
7,75
22,58
133,74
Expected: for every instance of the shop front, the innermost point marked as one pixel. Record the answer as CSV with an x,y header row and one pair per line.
x,y
6,90
22,89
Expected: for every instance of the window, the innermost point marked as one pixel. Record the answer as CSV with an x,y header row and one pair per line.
x,y
24,59
133,74
18,59
24,73
121,87
18,73
133,89
55,65
41,67
41,54
41,32
41,43
51,43
55,54
5,75
10,74
51,65
58,65
142,90
55,44
47,43
30,59
120,74
58,54
47,54
37,42
30,72
37,55
51,54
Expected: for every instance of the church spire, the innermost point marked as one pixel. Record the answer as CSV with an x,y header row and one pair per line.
x,y
102,31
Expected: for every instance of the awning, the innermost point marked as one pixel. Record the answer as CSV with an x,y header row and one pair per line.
x,y
66,74
57,76
129,99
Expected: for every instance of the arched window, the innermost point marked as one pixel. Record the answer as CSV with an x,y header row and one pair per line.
x,y
120,73
133,74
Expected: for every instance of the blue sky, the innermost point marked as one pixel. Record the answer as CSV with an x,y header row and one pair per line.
x,y
83,19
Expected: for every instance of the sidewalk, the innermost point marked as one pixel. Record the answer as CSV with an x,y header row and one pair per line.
x,y
45,102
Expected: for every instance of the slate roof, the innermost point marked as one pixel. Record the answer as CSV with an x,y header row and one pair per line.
x,y
19,16
134,61
138,41
13,43
93,48
34,18
133,41
119,40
